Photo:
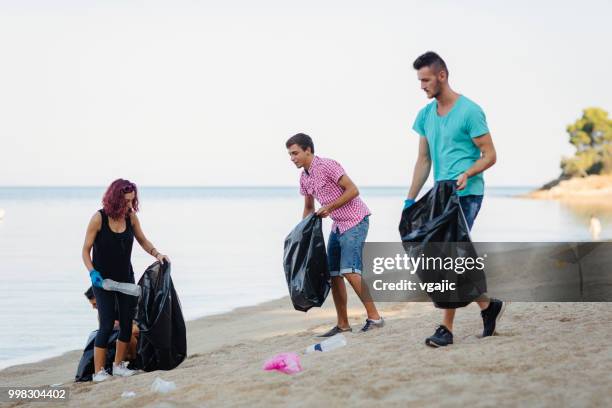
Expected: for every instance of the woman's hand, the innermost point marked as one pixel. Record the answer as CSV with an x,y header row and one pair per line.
x,y
96,278
162,258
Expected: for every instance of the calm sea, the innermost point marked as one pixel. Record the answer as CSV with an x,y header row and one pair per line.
x,y
226,247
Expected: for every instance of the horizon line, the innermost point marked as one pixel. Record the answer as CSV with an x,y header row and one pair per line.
x,y
263,186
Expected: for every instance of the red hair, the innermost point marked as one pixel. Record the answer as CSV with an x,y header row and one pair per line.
x,y
114,203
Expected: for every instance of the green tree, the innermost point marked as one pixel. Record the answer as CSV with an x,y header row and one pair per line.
x,y
591,135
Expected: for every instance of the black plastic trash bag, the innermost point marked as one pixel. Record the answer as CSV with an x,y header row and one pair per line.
x,y
85,371
435,226
162,344
305,264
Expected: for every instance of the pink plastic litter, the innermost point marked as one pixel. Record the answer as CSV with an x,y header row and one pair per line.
x,y
288,363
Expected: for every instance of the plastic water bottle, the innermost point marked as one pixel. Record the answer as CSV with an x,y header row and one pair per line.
x,y
123,287
334,342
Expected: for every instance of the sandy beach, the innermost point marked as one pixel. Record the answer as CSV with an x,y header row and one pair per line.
x,y
590,190
545,354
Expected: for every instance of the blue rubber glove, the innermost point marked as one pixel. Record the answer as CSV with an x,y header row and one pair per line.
x,y
408,203
96,278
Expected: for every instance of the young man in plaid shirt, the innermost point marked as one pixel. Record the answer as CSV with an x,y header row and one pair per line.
x,y
326,181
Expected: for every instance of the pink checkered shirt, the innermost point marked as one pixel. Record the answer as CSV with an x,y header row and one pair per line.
x,y
321,182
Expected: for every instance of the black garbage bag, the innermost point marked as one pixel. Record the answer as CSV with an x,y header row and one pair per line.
x,y
435,226
85,371
305,264
162,344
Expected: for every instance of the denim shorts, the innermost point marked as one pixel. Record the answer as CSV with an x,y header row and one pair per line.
x,y
344,251
470,204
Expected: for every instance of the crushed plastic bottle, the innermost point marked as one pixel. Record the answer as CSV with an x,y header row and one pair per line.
x,y
332,343
123,287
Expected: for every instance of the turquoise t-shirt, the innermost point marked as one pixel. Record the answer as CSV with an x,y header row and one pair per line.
x,y
450,140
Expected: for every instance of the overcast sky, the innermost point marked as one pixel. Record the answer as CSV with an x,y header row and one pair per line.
x,y
206,92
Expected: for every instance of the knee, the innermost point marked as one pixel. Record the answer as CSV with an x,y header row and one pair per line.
x,y
125,331
106,326
104,333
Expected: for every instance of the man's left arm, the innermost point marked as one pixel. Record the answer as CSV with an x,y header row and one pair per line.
x,y
350,191
488,157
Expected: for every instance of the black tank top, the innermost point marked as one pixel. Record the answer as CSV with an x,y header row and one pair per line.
x,y
112,251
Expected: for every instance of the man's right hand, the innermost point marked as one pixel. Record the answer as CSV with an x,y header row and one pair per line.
x,y
408,203
96,278
324,211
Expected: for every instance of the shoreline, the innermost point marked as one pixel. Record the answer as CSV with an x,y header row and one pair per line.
x,y
595,189
36,358
61,352
390,365
56,370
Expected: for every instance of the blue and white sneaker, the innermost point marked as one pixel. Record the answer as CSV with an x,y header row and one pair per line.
x,y
372,324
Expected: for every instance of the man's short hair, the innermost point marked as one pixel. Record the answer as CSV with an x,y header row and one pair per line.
x,y
302,140
89,293
430,59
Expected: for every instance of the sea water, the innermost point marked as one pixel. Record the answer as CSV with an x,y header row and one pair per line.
x,y
225,244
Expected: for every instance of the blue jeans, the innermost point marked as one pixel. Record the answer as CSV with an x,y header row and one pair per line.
x,y
344,251
470,204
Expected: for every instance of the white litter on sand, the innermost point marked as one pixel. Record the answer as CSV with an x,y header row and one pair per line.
x,y
162,387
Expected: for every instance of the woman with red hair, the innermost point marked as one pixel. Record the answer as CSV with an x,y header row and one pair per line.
x,y
110,233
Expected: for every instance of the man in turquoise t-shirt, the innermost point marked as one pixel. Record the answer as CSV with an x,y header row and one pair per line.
x,y
455,136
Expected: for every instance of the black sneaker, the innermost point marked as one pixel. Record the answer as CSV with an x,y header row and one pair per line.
x,y
442,337
335,331
372,324
491,315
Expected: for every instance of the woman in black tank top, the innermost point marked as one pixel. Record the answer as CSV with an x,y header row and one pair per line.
x,y
111,233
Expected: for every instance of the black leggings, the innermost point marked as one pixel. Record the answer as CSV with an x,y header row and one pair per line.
x,y
110,304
